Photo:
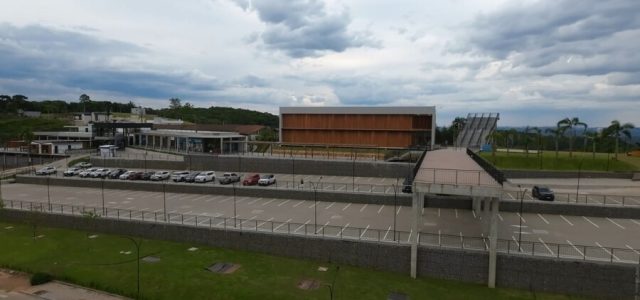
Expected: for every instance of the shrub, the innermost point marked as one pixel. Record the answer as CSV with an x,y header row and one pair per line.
x,y
40,278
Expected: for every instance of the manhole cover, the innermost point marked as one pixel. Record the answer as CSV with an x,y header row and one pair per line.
x,y
308,284
397,296
223,268
151,259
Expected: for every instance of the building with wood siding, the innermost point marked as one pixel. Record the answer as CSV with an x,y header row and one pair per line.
x,y
398,126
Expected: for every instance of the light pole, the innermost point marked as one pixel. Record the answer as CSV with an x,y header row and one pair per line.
x,y
164,200
579,174
395,207
48,194
333,282
102,192
235,214
293,170
520,227
353,174
138,245
315,205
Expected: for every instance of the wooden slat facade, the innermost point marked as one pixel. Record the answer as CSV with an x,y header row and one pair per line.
x,y
381,130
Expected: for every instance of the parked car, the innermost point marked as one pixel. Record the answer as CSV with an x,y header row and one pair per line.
x,y
406,185
191,177
125,175
267,179
72,172
98,173
160,175
206,176
228,178
147,175
115,174
104,173
135,176
48,170
542,193
251,179
179,176
86,172
83,165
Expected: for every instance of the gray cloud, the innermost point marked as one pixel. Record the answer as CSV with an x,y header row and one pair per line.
x,y
559,37
302,28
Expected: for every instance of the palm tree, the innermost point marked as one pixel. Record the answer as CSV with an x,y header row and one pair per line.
x,y
557,133
616,129
495,136
572,124
511,134
594,136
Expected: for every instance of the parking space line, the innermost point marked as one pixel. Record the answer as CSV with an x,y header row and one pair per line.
x,y
263,204
500,217
636,222
303,225
254,201
545,245
226,199
312,205
385,235
330,205
574,247
543,219
512,197
380,209
631,248
265,222
565,219
283,202
614,223
594,224
346,206
287,222
400,207
608,252
514,239
298,204
364,231
248,219
363,207
323,226
474,213
409,238
521,217
342,230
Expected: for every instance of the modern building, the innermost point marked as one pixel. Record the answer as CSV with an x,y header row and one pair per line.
x,y
187,141
55,146
398,126
250,131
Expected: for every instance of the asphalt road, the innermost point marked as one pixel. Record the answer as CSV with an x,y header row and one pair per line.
x,y
540,228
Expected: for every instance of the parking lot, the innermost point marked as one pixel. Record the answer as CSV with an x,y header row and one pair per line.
x,y
539,228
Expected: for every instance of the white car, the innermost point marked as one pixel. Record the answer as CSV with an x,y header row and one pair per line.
x,y
86,172
179,176
99,173
125,175
160,175
48,170
267,179
83,165
206,176
72,172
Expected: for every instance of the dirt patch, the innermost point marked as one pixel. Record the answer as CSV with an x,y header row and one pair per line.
x,y
13,281
308,284
223,268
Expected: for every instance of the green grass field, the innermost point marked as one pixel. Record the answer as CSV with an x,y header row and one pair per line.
x,y
73,256
548,161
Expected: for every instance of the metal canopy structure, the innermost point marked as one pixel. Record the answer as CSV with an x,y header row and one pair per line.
x,y
454,171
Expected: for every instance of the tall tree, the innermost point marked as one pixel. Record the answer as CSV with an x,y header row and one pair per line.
x,y
615,130
495,136
572,124
175,103
594,136
557,133
84,100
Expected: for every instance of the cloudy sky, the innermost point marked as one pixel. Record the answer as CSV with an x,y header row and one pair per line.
x,y
534,62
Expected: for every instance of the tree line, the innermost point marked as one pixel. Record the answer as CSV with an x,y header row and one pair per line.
x,y
11,104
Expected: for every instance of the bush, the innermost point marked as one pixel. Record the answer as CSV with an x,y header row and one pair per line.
x,y
40,278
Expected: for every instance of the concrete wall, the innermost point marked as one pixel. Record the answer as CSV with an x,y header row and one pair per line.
x,y
268,165
10,160
217,189
606,281
512,174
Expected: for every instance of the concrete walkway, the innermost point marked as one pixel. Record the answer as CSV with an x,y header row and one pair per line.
x,y
453,166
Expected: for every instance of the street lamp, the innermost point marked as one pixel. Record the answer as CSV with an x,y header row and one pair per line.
x,y
138,245
330,286
102,192
235,214
164,200
48,194
520,227
395,206
579,173
315,205
293,170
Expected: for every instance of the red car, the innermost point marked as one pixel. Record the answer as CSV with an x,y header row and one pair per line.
x,y
251,179
136,176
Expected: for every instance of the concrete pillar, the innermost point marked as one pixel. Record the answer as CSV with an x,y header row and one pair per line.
x,y
486,215
493,241
416,225
221,143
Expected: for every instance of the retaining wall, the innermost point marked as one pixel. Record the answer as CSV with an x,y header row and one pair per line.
x,y
512,174
612,281
268,165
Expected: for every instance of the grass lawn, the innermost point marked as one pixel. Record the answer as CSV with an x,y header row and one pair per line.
x,y
98,262
548,161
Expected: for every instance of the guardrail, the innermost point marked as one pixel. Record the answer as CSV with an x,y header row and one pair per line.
x,y
527,248
588,199
489,168
455,177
